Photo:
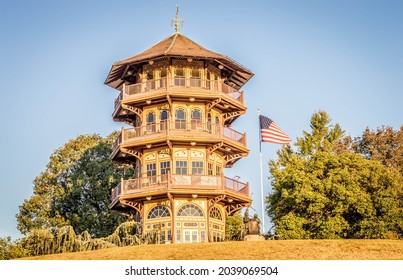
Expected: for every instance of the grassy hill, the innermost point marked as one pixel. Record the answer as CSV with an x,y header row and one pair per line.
x,y
253,250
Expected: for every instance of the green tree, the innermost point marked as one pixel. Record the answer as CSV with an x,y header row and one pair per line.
x,y
235,227
324,190
11,250
74,189
384,145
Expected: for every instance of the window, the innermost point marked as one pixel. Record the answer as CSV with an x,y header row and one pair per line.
x,y
190,210
180,119
158,211
165,168
195,78
178,235
209,122
212,81
210,169
215,213
179,79
163,120
163,76
151,172
151,169
181,167
197,168
150,81
218,170
217,125
150,127
169,233
202,236
196,119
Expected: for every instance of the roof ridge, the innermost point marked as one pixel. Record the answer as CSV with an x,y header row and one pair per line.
x,y
172,43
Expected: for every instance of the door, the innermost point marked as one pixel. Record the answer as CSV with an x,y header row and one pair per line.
x,y
191,236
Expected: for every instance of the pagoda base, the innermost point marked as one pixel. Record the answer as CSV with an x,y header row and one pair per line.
x,y
253,237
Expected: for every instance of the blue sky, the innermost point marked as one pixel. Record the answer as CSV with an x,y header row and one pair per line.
x,y
344,57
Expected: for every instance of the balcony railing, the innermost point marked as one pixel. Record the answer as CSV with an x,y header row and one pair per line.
x,y
177,83
195,129
180,181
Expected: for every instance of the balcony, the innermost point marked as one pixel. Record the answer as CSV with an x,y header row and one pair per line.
x,y
196,131
179,84
177,182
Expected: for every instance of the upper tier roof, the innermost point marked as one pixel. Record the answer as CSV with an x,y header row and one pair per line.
x,y
178,45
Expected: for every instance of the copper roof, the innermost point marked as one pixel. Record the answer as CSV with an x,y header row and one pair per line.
x,y
178,45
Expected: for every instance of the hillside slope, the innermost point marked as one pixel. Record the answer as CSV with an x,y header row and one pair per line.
x,y
257,250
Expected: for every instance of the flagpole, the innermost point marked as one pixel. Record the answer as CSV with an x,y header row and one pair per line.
x,y
261,171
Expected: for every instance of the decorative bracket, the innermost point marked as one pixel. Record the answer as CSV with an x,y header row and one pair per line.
x,y
210,105
136,154
138,206
213,148
215,200
125,120
229,209
135,110
231,115
233,157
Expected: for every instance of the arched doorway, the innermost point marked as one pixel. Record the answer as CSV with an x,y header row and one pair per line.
x,y
191,224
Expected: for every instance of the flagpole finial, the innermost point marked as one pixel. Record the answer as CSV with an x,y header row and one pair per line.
x,y
177,21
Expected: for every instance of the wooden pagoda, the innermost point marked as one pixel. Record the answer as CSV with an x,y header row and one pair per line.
x,y
179,100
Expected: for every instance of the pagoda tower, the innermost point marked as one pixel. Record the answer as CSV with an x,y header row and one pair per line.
x,y
179,100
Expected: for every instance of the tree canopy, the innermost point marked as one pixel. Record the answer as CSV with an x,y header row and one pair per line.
x,y
325,189
75,189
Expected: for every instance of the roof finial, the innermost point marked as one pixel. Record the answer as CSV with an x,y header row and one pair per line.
x,y
177,21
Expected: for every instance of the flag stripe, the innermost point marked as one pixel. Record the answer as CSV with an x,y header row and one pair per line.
x,y
271,132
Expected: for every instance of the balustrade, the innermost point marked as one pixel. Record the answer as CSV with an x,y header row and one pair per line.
x,y
165,84
179,181
196,128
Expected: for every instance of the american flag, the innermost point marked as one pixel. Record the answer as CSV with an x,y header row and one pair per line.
x,y
271,133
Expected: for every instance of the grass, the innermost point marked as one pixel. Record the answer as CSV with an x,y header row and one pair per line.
x,y
251,250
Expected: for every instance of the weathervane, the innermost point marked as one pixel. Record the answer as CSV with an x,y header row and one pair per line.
x,y
177,21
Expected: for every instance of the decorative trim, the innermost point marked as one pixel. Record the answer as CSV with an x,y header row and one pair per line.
x,y
135,110
136,154
231,115
210,105
211,149
229,209
233,157
138,206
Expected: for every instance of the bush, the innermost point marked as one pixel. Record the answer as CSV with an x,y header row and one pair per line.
x,y
11,250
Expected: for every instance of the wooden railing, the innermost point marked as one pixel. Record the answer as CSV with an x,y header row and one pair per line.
x,y
180,181
193,129
165,84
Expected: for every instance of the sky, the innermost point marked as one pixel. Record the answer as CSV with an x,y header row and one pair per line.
x,y
344,57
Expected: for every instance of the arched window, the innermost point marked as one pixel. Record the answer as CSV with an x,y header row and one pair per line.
x,y
190,210
180,119
163,120
158,211
215,213
196,119
150,122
